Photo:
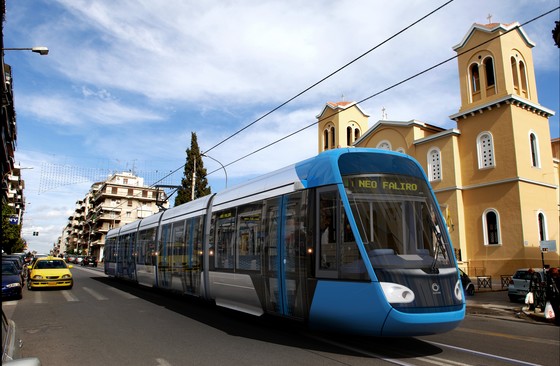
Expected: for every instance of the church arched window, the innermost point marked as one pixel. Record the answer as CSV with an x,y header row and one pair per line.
x,y
490,76
534,145
384,145
491,226
434,164
541,219
474,77
485,148
523,79
515,75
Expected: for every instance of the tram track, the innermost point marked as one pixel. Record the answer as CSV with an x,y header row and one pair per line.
x,y
397,354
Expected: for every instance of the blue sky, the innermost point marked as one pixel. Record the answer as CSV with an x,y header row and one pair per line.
x,y
125,82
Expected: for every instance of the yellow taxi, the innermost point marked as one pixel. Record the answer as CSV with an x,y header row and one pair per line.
x,y
49,272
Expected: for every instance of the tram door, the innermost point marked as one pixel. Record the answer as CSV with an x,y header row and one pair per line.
x,y
193,254
285,255
125,260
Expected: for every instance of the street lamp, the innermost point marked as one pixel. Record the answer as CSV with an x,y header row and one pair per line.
x,y
223,167
43,51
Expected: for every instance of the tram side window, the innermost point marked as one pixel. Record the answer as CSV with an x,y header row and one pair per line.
x,y
146,247
296,232
225,238
164,258
110,250
178,254
328,220
122,248
271,228
249,237
195,235
151,247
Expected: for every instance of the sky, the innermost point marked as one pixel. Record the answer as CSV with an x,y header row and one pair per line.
x,y
126,82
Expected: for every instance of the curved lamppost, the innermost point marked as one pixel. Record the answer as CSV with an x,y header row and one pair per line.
x,y
222,165
43,51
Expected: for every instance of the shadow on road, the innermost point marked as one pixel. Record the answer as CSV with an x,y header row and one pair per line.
x,y
275,329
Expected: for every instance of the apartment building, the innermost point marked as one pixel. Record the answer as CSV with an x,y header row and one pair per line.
x,y
121,199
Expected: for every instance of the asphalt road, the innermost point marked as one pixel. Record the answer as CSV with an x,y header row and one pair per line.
x,y
106,322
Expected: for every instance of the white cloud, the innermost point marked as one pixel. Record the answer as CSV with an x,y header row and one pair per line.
x,y
96,107
129,80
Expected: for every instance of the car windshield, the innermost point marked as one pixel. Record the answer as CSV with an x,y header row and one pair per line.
x,y
525,275
397,220
50,264
9,268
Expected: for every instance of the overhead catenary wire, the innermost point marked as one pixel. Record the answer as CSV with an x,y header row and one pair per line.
x,y
330,75
360,101
306,90
387,89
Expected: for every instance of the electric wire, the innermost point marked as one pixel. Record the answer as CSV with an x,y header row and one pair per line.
x,y
358,102
330,75
306,90
387,89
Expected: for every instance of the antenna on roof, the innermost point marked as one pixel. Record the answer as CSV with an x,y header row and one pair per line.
x,y
489,17
342,97
383,113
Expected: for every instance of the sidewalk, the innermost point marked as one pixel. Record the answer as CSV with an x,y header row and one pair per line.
x,y
495,302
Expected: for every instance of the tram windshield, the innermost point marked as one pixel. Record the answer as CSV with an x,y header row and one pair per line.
x,y
398,221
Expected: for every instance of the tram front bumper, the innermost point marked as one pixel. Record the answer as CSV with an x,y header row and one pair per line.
x,y
418,324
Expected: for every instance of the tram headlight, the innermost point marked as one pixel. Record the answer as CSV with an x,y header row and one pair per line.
x,y
397,294
459,291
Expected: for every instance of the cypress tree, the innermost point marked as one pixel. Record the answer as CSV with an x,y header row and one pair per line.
x,y
201,188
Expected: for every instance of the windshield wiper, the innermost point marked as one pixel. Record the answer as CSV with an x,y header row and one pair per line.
x,y
439,247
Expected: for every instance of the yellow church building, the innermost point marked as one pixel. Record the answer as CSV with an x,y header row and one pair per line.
x,y
496,174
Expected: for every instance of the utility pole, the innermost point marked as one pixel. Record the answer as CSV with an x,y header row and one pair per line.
x,y
193,180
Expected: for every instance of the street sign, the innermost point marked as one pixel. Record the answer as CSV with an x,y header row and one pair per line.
x,y
548,246
14,220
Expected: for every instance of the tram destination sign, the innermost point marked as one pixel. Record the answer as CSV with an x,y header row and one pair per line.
x,y
385,185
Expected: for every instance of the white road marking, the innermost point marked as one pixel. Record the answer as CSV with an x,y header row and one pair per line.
x,y
162,362
69,296
95,294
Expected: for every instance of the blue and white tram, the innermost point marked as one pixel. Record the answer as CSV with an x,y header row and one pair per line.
x,y
351,240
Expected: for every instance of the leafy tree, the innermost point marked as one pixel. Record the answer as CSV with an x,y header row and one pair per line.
x,y
11,233
194,163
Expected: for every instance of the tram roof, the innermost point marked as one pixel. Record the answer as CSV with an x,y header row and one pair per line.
x,y
193,208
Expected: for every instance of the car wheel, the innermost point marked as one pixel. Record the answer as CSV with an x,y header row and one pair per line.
x,y
29,286
512,298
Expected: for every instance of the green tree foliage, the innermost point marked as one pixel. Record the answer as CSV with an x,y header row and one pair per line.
x,y
11,233
194,163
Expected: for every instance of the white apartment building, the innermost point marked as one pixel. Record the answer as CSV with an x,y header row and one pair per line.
x,y
121,199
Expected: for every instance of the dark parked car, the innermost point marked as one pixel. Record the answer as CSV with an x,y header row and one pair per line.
x,y
89,261
18,263
468,286
11,281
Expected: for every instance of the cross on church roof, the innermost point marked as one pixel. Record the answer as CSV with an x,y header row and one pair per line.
x,y
489,17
